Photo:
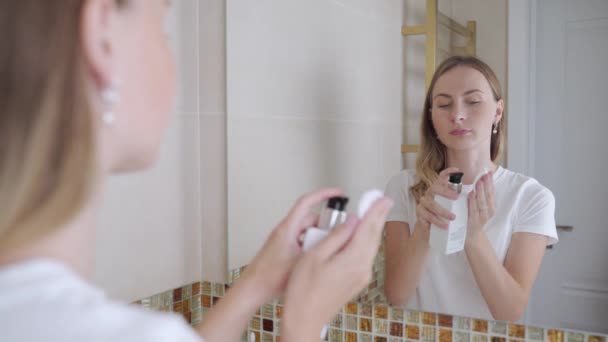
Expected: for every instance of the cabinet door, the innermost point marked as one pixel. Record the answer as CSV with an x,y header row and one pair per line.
x,y
570,158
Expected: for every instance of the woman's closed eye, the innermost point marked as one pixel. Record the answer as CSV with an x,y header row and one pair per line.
x,y
444,105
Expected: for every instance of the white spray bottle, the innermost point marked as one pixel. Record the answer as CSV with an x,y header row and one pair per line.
x,y
451,240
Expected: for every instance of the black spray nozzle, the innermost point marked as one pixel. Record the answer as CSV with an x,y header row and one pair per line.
x,y
337,203
456,177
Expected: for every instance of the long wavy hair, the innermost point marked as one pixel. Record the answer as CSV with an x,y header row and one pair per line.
x,y
47,125
431,158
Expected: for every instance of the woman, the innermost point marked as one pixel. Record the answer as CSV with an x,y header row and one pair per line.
x,y
85,89
510,216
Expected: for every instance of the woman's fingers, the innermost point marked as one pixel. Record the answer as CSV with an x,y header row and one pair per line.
x,y
335,241
431,218
489,191
472,203
367,235
439,211
480,197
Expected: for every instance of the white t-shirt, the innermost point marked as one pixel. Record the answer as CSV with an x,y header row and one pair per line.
x,y
447,284
42,300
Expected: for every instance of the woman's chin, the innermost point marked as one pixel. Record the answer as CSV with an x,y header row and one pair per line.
x,y
460,143
134,163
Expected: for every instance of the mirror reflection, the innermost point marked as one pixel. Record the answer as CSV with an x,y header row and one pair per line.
x,y
466,235
491,150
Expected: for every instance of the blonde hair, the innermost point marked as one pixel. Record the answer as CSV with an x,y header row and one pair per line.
x,y
47,128
431,157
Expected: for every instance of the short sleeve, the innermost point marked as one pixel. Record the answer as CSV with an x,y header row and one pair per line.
x,y
397,189
536,213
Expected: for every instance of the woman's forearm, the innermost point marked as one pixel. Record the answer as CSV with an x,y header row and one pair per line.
x,y
505,297
405,260
229,317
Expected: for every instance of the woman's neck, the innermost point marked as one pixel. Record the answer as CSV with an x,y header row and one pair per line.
x,y
72,244
471,163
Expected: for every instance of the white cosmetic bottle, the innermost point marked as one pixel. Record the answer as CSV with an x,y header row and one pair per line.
x,y
332,215
452,240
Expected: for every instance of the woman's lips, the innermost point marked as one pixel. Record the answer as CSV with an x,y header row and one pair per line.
x,y
460,132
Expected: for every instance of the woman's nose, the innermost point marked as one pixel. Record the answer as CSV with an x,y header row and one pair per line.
x,y
457,114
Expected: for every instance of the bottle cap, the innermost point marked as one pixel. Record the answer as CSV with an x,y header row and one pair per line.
x,y
337,203
456,177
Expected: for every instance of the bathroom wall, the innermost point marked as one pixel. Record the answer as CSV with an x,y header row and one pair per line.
x,y
314,99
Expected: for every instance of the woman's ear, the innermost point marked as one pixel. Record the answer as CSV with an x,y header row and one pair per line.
x,y
500,107
97,35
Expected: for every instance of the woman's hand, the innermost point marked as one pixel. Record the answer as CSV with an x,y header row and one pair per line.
x,y
482,206
332,273
428,211
267,274
273,263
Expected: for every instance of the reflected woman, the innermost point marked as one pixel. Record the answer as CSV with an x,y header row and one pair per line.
x,y
510,215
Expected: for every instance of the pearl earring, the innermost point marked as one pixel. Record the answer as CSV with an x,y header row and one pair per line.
x,y
109,97
495,130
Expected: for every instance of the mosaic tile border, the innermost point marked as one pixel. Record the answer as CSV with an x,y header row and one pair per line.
x,y
192,301
363,322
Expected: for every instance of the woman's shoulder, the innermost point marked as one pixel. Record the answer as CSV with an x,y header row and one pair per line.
x,y
522,183
403,179
68,308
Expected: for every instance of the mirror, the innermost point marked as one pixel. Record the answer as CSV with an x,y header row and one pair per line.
x,y
326,93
